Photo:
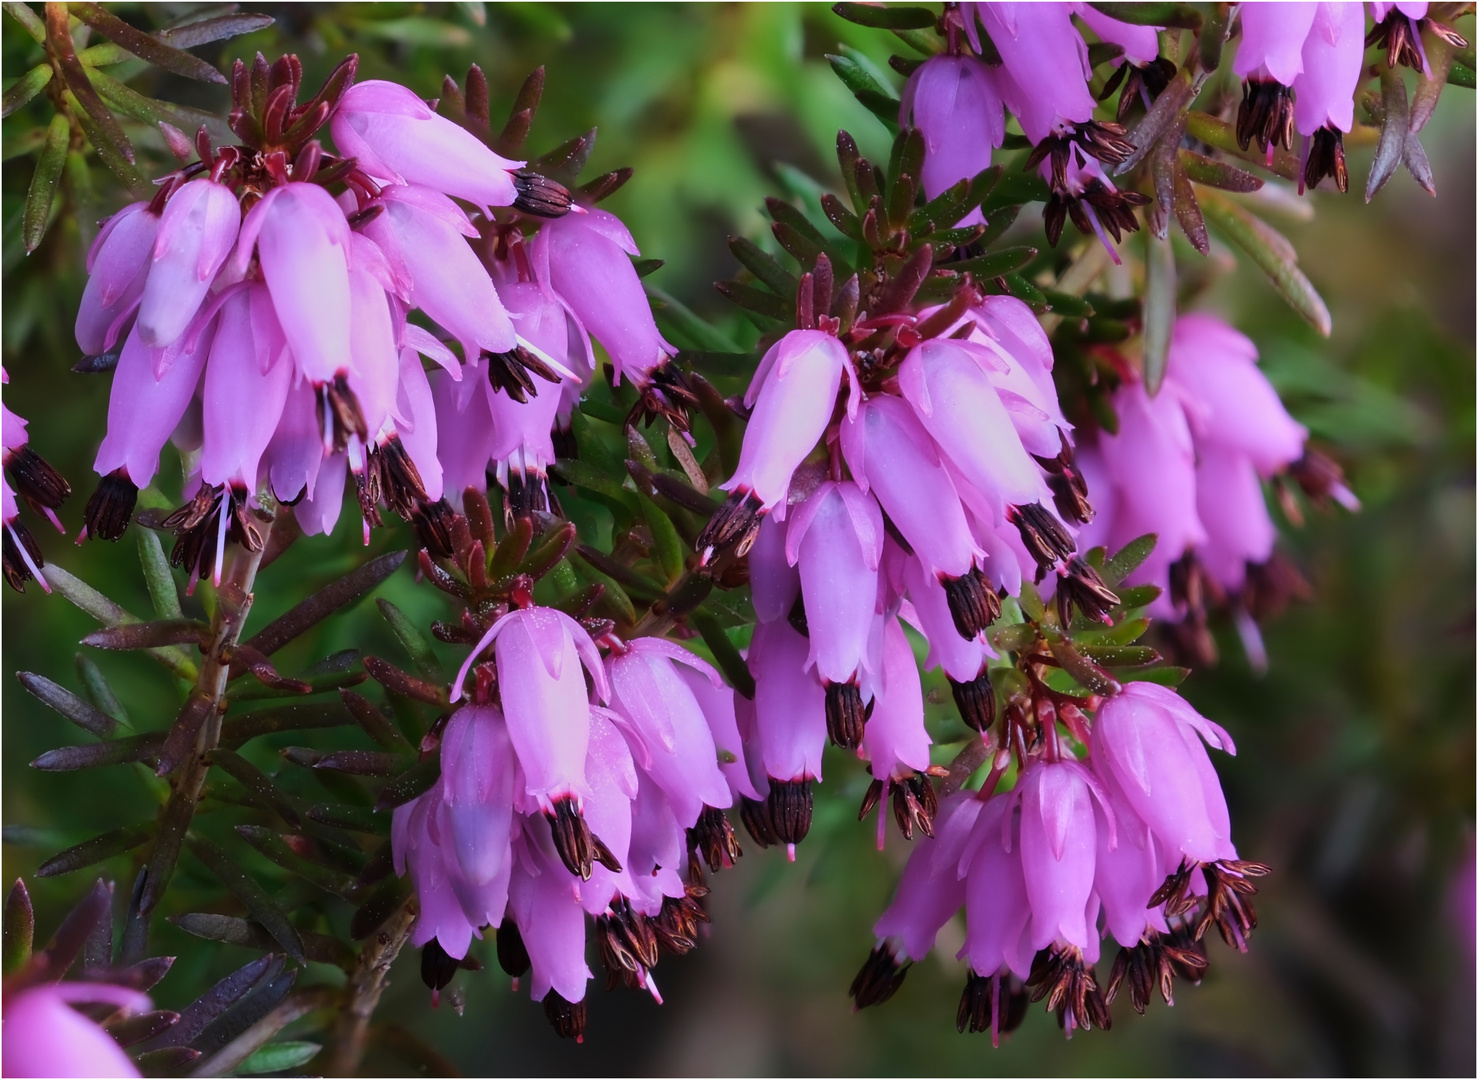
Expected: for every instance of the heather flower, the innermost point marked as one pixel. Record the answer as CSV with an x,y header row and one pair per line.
x,y
586,259
117,267
151,390
46,1036
789,726
1324,91
835,540
1268,58
1058,852
998,912
39,484
954,103
669,724
396,137
195,235
426,233
1147,745
894,741
1045,61
932,887
539,655
247,378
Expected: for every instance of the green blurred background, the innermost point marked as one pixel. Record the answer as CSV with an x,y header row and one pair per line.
x,y
1356,773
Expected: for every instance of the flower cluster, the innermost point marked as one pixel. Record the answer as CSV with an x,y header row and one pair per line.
x,y
552,807
44,489
264,301
1188,465
947,477
1134,843
1031,60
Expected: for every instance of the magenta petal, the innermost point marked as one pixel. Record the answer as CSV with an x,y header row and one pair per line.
x,y
545,905
954,103
789,703
839,585
997,911
894,738
790,414
143,410
1333,62
773,581
1273,38
195,235
45,1036
117,268
295,454
396,136
1058,846
930,890
246,384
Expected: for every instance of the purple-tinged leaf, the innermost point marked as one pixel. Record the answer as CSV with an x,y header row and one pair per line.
x,y
167,1061
1217,174
205,1009
52,962
91,852
399,682
375,723
64,54
1272,253
149,635
144,975
1159,308
19,929
146,46
247,726
60,699
259,786
1221,135
1393,128
320,948
135,1029
218,28
324,603
245,888
1159,122
179,744
1083,670
96,755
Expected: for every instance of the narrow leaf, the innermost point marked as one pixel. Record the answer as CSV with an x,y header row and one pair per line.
x,y
667,547
19,927
995,263
246,726
321,948
763,266
1120,655
886,18
106,611
64,54
95,755
279,1057
23,14
1181,16
354,818
42,191
245,889
1161,120
1127,559
324,603
1213,35
66,944
145,46
1164,676
157,575
1217,174
1159,309
218,28
375,723
91,852
62,700
1273,255
149,635
137,1028
184,733
417,644
1393,130
399,682
259,785
25,88
1087,673
1218,133
204,1010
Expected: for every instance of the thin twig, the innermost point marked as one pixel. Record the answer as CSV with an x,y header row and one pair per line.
x,y
362,993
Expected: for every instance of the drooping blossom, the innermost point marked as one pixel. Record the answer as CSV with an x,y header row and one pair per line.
x,y
954,103
33,478
44,1035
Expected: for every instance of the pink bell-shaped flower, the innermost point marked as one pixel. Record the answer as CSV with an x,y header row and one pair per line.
x,y
586,259
1149,740
45,1036
196,231
478,766
396,136
789,703
793,393
954,103
247,379
1059,844
998,913
117,267
1045,62
302,240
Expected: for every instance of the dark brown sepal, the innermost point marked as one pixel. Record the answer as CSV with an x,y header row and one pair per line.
x,y
540,196
433,522
994,1003
1326,158
1079,586
110,509
879,979
845,714
572,839
756,818
790,806
437,968
732,528
976,700
1060,975
713,837
567,1017
1044,536
513,957
36,480
1265,115
342,412
17,570
914,805
973,603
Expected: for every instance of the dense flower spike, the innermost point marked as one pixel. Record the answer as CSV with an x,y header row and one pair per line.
x,y
304,268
